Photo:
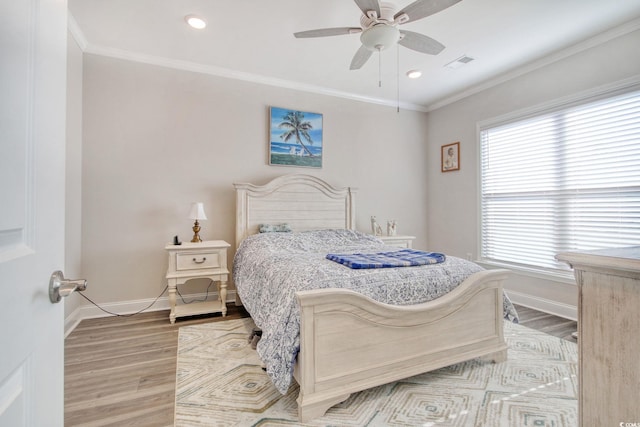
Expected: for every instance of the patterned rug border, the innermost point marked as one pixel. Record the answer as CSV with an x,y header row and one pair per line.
x,y
219,382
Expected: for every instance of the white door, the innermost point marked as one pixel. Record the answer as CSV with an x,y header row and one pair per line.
x,y
32,150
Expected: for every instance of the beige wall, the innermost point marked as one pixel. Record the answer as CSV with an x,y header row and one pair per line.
x,y
73,171
156,139
453,196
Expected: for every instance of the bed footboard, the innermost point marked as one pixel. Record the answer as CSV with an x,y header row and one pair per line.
x,y
350,343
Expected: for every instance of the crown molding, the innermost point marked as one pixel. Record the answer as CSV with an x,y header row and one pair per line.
x,y
589,43
597,40
87,47
239,75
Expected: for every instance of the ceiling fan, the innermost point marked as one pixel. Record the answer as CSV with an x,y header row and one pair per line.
x,y
379,27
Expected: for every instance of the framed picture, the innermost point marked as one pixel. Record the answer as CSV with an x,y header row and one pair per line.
x,y
450,157
295,138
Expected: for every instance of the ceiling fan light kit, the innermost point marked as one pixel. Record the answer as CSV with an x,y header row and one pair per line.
x,y
380,37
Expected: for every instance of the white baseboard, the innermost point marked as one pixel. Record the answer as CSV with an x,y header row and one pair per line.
x,y
71,321
90,311
547,306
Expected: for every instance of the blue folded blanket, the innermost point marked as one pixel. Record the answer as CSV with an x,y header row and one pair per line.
x,y
401,258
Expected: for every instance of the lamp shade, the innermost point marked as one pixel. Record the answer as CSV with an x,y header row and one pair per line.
x,y
197,211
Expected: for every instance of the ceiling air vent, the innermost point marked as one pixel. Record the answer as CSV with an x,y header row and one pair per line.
x,y
459,62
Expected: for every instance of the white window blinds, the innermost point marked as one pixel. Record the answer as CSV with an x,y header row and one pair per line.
x,y
566,180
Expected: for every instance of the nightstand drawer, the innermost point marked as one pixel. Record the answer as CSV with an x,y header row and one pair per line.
x,y
186,261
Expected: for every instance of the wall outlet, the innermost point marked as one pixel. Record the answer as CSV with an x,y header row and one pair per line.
x,y
469,256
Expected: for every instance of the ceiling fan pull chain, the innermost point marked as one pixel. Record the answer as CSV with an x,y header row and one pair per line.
x,y
379,67
398,77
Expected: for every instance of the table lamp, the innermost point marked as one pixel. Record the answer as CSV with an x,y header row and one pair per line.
x,y
197,213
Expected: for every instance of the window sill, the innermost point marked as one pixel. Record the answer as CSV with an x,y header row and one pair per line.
x,y
559,276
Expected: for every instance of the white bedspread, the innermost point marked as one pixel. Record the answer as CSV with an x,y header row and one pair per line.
x,y
270,268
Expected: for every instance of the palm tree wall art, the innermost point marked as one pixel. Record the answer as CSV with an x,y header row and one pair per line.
x,y
295,138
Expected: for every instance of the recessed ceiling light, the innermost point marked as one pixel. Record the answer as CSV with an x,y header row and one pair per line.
x,y
414,74
195,21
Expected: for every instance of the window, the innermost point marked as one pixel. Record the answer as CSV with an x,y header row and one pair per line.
x,y
564,180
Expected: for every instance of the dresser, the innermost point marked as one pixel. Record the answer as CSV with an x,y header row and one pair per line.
x,y
608,335
203,260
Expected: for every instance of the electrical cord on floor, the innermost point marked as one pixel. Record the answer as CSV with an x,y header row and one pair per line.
x,y
206,295
125,315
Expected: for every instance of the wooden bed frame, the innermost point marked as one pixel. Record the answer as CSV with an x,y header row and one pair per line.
x,y
348,342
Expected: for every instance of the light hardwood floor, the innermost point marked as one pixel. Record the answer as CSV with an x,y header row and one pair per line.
x,y
120,371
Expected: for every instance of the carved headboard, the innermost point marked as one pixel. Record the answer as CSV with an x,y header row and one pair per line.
x,y
302,201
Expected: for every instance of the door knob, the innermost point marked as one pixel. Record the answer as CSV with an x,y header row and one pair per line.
x,y
60,287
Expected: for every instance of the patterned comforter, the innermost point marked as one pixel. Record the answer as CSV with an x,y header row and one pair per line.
x,y
269,268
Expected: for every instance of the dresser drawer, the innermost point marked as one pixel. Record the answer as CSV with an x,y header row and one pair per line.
x,y
194,261
398,241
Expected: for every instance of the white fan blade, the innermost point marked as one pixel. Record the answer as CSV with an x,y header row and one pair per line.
x,y
422,8
360,58
325,32
366,5
420,43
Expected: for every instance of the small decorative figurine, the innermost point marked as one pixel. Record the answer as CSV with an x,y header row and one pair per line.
x,y
391,227
375,227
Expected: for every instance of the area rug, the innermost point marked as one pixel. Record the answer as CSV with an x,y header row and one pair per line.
x,y
220,383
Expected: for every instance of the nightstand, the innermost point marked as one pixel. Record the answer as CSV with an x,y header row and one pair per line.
x,y
189,261
399,241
